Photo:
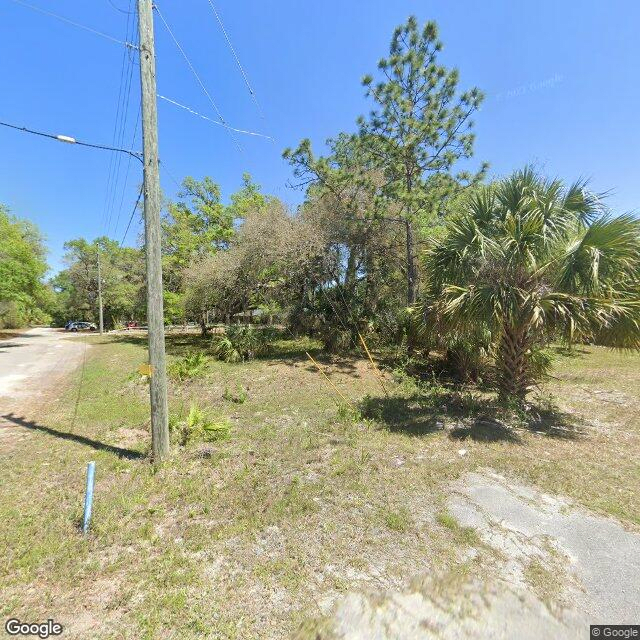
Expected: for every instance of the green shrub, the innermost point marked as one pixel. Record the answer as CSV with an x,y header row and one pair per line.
x,y
237,398
197,426
240,343
348,413
467,357
224,349
192,365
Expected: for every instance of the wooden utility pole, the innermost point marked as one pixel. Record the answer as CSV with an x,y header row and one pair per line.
x,y
101,315
155,313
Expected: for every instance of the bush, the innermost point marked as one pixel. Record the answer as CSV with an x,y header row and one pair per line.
x,y
192,365
196,426
237,398
240,343
467,358
335,339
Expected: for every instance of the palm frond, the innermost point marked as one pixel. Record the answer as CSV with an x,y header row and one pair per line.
x,y
606,255
581,202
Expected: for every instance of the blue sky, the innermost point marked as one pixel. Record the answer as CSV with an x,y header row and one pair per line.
x,y
560,79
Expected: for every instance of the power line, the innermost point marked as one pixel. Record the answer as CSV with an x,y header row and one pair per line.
x,y
73,23
117,136
135,207
193,71
221,124
126,175
122,113
163,165
62,138
117,8
237,59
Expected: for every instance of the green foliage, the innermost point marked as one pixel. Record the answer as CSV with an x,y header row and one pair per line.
x,y
240,343
197,426
247,200
528,260
239,397
23,296
194,227
173,307
123,285
419,129
398,520
223,348
348,413
191,365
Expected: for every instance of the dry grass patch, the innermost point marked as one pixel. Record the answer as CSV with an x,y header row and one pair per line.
x,y
247,536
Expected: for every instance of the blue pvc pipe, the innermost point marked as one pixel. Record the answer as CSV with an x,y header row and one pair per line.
x,y
88,497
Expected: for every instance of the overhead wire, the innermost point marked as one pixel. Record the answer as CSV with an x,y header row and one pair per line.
x,y
53,136
221,124
133,212
117,8
126,175
237,59
124,92
193,71
73,23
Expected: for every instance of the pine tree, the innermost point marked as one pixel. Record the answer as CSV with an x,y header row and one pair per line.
x,y
420,128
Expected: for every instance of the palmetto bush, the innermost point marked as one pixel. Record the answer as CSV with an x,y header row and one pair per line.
x,y
192,365
241,342
198,426
529,259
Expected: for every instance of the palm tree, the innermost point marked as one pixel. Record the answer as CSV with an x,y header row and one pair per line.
x,y
532,261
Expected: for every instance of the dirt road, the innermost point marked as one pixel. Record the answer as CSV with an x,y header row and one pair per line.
x,y
33,364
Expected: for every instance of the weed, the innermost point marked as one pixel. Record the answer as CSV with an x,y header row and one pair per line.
x,y
348,413
399,520
197,426
462,535
240,397
546,581
192,365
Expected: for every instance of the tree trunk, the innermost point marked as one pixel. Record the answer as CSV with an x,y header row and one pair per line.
x,y
412,265
350,274
512,364
412,283
203,324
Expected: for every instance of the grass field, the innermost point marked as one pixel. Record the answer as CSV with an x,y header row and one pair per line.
x,y
255,535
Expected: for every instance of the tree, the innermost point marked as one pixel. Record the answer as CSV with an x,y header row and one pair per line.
x,y
253,271
122,272
248,199
532,260
23,295
196,226
420,128
341,201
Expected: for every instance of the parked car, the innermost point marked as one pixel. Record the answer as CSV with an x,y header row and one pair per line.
x,y
67,327
132,324
82,326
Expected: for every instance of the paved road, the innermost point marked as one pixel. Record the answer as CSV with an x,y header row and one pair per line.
x,y
594,560
34,363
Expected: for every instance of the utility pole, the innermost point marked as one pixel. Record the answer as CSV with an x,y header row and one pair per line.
x,y
155,313
101,315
